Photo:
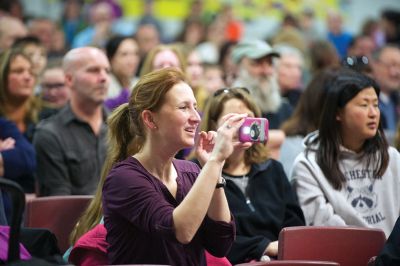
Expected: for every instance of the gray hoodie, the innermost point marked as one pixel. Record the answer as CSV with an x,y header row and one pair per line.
x,y
363,201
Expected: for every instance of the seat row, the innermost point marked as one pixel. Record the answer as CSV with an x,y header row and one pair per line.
x,y
299,245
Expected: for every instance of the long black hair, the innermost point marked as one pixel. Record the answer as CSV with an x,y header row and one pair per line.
x,y
344,88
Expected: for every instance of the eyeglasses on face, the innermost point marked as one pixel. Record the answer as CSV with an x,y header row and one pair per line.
x,y
230,90
50,86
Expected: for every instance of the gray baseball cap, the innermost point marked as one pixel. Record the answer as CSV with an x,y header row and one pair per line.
x,y
253,49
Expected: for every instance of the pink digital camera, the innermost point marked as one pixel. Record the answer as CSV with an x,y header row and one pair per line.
x,y
254,130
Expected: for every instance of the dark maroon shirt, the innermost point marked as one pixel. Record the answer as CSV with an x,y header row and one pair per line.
x,y
138,217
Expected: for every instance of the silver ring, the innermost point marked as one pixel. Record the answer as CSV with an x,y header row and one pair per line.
x,y
228,126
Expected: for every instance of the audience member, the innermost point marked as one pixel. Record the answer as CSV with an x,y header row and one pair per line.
x,y
148,17
70,145
44,29
358,63
123,54
195,74
33,47
258,192
257,73
233,27
54,92
186,208
348,175
17,101
373,29
359,54
289,34
17,163
309,26
322,55
10,29
147,37
72,21
390,22
213,78
289,69
12,8
361,45
193,32
305,118
163,56
215,38
96,34
197,11
386,70
229,67
336,35
58,46
17,156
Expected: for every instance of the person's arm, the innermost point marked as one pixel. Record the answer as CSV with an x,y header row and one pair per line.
x,y
203,197
317,210
1,166
275,140
246,248
52,170
18,155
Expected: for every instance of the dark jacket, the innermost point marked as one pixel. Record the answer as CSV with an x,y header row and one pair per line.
x,y
390,254
19,162
277,118
69,154
273,206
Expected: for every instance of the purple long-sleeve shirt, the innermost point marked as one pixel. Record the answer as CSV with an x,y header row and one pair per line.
x,y
138,217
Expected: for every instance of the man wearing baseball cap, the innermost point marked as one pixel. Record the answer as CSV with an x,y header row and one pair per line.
x,y
256,72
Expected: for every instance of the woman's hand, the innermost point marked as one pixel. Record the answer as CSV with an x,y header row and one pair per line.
x,y
272,249
7,144
219,145
205,146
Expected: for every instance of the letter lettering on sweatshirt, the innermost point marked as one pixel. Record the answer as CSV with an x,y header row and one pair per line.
x,y
375,218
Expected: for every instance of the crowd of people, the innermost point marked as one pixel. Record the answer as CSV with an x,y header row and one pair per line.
x,y
150,128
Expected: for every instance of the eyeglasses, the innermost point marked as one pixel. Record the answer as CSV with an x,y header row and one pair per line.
x,y
358,63
50,86
230,90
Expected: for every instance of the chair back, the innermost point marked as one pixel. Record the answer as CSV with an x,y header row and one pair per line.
x,y
290,263
349,246
18,204
59,214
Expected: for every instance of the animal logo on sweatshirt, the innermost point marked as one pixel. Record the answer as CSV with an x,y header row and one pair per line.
x,y
363,199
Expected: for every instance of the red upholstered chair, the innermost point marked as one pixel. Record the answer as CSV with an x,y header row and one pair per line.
x,y
59,214
349,246
290,263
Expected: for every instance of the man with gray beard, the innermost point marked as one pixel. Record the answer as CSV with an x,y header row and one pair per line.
x,y
256,72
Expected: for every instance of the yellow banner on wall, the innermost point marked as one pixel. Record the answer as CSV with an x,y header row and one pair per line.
x,y
245,9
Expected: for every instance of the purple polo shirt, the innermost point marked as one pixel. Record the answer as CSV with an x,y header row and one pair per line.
x,y
138,217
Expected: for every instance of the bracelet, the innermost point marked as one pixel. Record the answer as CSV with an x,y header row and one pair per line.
x,y
221,184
